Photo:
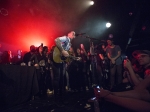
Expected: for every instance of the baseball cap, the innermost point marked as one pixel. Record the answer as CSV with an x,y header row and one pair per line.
x,y
136,52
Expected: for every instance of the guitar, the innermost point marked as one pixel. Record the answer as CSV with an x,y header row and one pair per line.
x,y
59,58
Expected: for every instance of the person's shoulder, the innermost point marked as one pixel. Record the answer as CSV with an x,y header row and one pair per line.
x,y
117,47
63,36
27,53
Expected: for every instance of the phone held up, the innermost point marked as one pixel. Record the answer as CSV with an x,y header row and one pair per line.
x,y
98,87
125,57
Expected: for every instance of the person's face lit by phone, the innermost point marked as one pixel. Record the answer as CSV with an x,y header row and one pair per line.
x,y
143,59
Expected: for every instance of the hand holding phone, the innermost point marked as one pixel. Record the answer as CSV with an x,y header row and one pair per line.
x,y
126,57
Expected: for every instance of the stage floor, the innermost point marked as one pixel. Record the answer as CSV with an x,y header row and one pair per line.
x,y
74,102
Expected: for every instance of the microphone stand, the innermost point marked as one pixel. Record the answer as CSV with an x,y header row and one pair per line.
x,y
92,38
93,60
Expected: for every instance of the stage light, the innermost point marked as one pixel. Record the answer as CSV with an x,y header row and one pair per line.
x,y
110,35
91,2
130,13
108,25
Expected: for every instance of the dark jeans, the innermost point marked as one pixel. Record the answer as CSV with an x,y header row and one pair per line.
x,y
115,73
86,73
96,74
41,80
59,72
73,77
49,79
93,67
106,72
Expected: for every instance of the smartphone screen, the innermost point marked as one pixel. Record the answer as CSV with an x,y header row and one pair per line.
x,y
126,57
97,87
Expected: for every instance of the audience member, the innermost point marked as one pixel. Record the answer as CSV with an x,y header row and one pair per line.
x,y
114,54
63,45
5,58
137,99
104,65
18,58
95,65
30,58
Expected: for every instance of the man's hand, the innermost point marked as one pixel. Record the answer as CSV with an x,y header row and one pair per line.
x,y
101,93
78,58
36,66
65,53
113,61
127,64
82,46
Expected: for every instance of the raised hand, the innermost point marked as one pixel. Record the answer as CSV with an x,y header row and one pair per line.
x,y
78,58
127,63
101,93
82,46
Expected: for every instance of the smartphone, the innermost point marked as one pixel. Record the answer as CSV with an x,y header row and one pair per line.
x,y
98,87
125,57
92,99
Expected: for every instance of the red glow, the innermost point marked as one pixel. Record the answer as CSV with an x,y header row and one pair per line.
x,y
29,23
27,31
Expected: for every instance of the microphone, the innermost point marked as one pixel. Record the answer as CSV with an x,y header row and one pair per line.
x,y
79,34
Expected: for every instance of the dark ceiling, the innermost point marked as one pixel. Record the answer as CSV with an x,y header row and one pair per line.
x,y
130,19
51,18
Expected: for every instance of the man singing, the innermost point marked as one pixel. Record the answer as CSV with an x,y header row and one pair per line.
x,y
63,45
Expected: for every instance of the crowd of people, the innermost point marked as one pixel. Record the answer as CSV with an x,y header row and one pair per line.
x,y
124,82
138,98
